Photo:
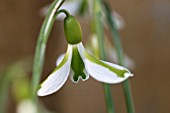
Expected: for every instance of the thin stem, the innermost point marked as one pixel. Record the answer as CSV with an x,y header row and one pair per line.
x,y
128,96
63,11
100,34
117,42
109,99
41,45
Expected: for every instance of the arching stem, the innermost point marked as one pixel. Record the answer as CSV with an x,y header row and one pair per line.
x,y
41,46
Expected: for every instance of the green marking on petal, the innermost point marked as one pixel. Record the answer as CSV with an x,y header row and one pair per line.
x,y
77,65
63,61
60,65
119,72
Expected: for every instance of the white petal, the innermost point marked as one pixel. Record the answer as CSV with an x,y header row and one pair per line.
x,y
100,72
57,79
103,74
59,59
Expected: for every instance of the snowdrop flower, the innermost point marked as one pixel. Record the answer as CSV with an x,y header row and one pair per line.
x,y
81,63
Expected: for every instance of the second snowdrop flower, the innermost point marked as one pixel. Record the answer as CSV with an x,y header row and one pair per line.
x,y
80,63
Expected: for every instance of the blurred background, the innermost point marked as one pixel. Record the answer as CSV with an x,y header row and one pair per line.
x,y
145,38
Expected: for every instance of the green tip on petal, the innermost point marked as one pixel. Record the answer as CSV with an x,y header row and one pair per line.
x,y
72,30
119,72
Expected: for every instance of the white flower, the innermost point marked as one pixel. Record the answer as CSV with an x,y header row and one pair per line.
x,y
82,65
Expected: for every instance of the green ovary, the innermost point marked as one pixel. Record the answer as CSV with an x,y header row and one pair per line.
x,y
77,65
72,30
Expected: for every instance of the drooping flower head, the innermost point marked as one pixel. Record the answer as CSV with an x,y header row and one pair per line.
x,y
81,63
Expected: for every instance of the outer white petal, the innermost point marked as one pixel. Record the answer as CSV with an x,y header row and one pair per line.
x,y
57,79
59,59
100,72
103,74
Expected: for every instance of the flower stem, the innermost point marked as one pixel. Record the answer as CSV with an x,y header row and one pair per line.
x,y
117,42
100,34
109,99
63,11
41,45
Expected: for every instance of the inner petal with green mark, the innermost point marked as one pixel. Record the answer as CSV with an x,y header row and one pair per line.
x,y
77,65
